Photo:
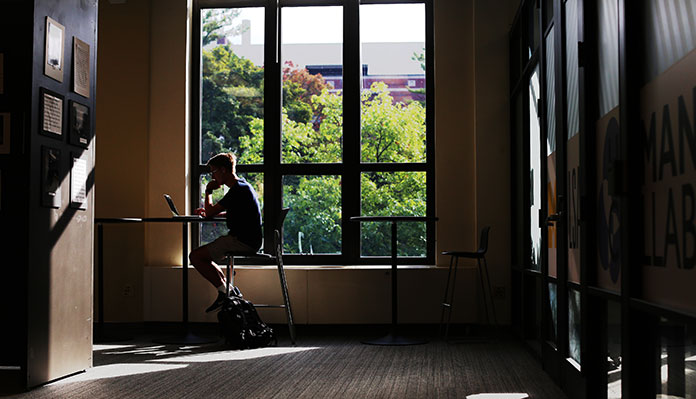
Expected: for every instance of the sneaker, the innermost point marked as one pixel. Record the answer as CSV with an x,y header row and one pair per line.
x,y
218,302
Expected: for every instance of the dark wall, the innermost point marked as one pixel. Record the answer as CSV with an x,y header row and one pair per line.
x,y
16,47
50,288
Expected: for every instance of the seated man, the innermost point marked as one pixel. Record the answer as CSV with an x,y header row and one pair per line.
x,y
240,206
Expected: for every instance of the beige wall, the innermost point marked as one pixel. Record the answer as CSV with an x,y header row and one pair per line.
x,y
121,164
144,155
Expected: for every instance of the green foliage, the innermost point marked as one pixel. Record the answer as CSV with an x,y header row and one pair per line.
x,y
387,194
314,222
312,132
218,22
232,99
391,132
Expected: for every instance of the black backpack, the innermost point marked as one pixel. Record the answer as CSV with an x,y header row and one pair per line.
x,y
241,325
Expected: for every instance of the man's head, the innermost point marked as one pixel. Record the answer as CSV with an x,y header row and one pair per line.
x,y
224,160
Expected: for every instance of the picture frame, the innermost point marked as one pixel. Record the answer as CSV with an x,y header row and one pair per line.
x,y
2,73
5,133
50,113
51,177
81,67
78,181
79,124
54,60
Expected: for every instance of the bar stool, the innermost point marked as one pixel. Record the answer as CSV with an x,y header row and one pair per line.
x,y
479,255
278,257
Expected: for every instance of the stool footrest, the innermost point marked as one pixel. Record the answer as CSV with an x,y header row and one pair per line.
x,y
447,305
268,306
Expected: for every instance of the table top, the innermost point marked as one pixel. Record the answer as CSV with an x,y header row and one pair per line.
x,y
190,219
393,218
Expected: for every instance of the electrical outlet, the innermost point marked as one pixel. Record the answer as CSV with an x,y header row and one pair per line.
x,y
499,293
127,290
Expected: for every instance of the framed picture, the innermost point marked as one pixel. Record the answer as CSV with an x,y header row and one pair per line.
x,y
5,132
51,176
80,132
78,181
51,113
2,75
54,55
81,73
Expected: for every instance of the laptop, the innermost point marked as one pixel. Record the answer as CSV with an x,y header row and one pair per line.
x,y
175,212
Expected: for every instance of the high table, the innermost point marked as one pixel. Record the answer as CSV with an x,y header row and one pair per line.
x,y
393,337
185,336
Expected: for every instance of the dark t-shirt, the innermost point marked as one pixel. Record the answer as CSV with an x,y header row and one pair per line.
x,y
243,213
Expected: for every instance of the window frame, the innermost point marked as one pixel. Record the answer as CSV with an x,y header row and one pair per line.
x,y
351,167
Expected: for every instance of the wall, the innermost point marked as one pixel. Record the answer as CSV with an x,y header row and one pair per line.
x,y
121,167
471,152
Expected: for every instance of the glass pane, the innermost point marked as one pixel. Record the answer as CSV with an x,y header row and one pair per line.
x,y
677,378
608,56
667,116
532,31
613,350
552,327
534,171
571,28
608,232
393,88
574,325
551,192
573,140
393,194
210,231
232,83
312,78
313,224
670,34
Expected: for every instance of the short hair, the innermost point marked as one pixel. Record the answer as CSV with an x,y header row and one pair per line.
x,y
224,160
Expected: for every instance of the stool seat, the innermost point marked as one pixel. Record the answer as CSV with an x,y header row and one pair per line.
x,y
249,254
464,254
278,257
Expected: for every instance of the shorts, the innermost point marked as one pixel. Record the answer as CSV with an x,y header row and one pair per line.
x,y
223,244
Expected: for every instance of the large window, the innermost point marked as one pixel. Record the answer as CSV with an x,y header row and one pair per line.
x,y
328,108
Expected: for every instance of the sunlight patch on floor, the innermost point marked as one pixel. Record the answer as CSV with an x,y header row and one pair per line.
x,y
118,370
222,356
108,347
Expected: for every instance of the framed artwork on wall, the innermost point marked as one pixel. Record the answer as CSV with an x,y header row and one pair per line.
x,y
80,67
80,132
78,181
51,176
51,113
54,55
2,75
5,132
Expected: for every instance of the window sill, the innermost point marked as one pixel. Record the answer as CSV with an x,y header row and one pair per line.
x,y
337,267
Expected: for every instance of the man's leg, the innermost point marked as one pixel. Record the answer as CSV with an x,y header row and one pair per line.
x,y
203,262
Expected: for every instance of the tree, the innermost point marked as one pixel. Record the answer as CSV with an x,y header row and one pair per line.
x,y
312,132
391,133
299,86
232,99
218,23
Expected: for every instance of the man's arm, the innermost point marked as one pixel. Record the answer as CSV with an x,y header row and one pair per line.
x,y
210,209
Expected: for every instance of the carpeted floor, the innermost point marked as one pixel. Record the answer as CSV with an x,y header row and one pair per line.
x,y
325,363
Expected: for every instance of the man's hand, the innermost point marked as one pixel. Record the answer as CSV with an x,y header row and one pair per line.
x,y
211,186
200,211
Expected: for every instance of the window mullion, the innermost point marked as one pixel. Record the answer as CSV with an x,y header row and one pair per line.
x,y
351,130
272,116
